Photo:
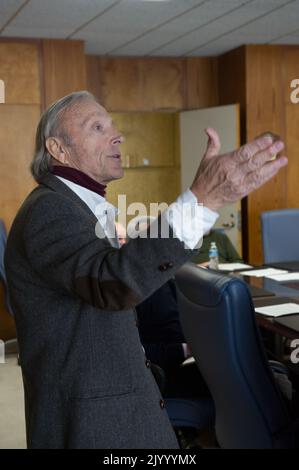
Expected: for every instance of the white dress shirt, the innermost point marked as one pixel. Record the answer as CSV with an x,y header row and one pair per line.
x,y
188,219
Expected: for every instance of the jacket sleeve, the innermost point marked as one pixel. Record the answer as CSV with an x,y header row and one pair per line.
x,y
63,249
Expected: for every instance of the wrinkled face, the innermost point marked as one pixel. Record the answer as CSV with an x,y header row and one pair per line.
x,y
94,142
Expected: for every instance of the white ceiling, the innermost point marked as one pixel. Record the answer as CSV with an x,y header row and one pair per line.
x,y
154,27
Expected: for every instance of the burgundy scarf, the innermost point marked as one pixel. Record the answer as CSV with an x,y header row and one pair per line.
x,y
78,177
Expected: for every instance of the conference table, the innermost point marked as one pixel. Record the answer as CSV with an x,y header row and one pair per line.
x,y
268,292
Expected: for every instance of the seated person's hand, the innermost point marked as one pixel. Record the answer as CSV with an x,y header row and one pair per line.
x,y
204,265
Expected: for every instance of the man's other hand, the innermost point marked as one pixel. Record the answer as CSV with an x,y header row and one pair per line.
x,y
224,179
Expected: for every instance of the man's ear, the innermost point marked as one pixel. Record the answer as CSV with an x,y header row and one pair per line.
x,y
56,148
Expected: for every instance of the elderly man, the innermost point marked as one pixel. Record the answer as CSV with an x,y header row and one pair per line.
x,y
87,383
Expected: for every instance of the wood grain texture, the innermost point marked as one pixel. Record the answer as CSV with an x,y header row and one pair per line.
x,y
19,69
232,82
93,76
259,78
291,71
265,111
63,67
17,135
149,136
137,84
201,82
149,84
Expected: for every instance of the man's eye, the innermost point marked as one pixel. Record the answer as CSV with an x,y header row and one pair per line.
x,y
98,127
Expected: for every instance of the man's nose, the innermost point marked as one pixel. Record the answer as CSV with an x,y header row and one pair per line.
x,y
117,138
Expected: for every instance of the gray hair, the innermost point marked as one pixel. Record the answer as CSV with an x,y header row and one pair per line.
x,y
50,125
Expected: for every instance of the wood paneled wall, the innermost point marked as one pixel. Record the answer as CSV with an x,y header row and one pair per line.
x,y
20,71
35,73
291,124
259,77
153,84
63,65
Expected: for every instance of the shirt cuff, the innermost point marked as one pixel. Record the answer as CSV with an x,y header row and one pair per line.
x,y
190,220
185,350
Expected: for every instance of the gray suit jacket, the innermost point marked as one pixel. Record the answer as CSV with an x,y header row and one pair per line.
x,y
87,383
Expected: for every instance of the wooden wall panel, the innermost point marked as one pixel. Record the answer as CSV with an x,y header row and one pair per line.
x,y
264,111
19,69
231,89
264,94
93,76
63,68
151,84
201,82
18,126
148,135
231,83
291,71
137,84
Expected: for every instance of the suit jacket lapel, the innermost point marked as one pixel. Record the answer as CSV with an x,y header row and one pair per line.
x,y
57,185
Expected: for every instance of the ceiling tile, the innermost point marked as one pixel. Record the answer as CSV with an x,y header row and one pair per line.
x,y
234,20
262,30
134,18
8,9
46,18
155,28
201,15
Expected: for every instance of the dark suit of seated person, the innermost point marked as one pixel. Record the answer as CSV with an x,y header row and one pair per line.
x,y
164,343
227,253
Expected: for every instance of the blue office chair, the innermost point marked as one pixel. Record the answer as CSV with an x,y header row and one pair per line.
x,y
190,412
218,320
280,235
11,345
3,238
185,412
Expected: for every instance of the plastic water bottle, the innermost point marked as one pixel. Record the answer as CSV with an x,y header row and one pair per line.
x,y
213,255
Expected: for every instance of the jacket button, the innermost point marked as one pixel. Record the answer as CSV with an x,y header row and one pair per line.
x,y
165,266
162,404
148,363
162,267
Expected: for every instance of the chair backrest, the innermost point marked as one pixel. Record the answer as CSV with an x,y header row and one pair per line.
x,y
218,320
280,235
3,238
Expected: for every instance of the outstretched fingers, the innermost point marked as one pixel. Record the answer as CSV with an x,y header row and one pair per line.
x,y
213,145
262,157
257,146
258,177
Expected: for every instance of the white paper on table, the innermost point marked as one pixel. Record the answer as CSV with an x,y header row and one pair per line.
x,y
263,272
278,310
233,266
285,277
